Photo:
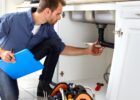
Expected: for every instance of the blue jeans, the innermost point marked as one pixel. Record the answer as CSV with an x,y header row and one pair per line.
x,y
50,48
8,87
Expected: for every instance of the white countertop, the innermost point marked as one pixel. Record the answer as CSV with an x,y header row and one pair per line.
x,y
92,1
82,5
71,2
77,7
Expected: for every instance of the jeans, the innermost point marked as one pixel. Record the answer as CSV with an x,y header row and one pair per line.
x,y
50,48
8,87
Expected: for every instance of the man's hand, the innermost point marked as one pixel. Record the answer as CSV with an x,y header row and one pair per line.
x,y
95,49
7,56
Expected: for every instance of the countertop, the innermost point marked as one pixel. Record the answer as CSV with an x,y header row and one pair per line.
x,y
80,5
69,2
93,1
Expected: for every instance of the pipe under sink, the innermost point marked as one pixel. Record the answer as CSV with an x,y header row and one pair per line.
x,y
103,17
100,18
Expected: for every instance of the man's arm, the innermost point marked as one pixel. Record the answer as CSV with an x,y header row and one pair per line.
x,y
74,51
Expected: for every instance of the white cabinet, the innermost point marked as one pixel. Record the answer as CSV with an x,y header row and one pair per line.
x,y
77,34
124,78
87,66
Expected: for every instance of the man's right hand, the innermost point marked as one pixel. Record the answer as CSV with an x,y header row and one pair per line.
x,y
7,56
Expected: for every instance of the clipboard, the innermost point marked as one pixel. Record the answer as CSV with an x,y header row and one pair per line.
x,y
24,65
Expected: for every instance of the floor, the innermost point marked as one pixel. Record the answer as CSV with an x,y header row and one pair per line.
x,y
28,86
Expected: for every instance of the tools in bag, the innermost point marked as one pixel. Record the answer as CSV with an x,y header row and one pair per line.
x,y
64,91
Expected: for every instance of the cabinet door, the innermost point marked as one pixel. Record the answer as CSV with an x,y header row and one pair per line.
x,y
123,84
129,81
117,65
117,57
125,67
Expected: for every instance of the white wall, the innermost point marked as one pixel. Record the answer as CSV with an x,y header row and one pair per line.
x,y
11,5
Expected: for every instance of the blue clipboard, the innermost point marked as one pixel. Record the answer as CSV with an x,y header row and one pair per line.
x,y
25,64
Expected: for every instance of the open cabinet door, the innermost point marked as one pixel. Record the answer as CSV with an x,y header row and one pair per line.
x,y
121,43
129,88
125,75
125,70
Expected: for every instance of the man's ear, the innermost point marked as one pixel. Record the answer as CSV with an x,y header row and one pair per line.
x,y
47,11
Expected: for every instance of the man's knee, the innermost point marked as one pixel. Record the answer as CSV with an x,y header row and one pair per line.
x,y
10,96
55,45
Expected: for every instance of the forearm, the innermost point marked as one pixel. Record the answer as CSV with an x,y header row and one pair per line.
x,y
74,51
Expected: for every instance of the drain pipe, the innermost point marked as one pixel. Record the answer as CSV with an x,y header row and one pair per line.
x,y
101,40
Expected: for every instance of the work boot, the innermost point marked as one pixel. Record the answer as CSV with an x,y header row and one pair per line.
x,y
43,89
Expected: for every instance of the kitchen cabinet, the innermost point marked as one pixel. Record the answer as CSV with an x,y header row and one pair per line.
x,y
86,70
77,34
87,66
124,80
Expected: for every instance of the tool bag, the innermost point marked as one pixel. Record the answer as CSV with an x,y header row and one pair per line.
x,y
64,91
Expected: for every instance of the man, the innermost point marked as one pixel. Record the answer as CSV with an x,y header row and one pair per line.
x,y
34,30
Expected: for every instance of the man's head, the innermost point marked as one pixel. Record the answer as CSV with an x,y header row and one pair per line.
x,y
51,10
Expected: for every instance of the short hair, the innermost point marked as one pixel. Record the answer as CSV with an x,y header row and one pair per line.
x,y
52,4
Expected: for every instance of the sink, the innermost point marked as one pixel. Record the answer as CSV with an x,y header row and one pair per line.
x,y
100,17
92,1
